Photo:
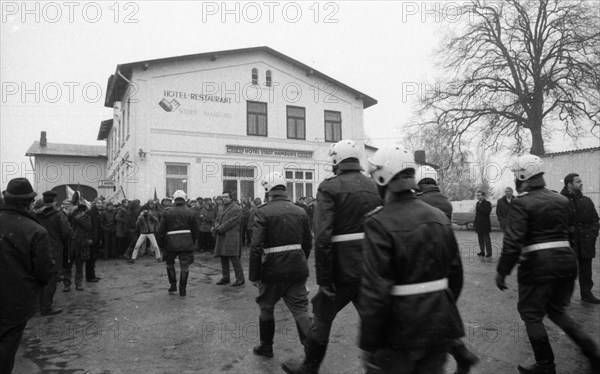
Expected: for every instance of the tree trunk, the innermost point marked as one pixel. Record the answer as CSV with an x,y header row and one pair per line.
x,y
537,141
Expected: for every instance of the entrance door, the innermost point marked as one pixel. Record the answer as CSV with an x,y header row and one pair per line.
x,y
239,180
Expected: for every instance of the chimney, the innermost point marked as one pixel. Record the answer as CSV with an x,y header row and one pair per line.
x,y
43,141
420,157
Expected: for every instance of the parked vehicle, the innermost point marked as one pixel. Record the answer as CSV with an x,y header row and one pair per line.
x,y
465,216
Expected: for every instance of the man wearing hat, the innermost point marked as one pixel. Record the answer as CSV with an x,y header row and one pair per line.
x,y
59,232
26,265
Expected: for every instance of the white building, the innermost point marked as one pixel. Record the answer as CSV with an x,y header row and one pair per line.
x,y
218,121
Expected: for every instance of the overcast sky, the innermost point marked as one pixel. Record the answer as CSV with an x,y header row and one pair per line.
x,y
62,53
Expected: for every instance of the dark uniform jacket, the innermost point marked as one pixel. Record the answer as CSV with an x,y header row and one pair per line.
x,y
482,222
59,231
538,216
431,195
176,218
584,224
502,209
279,223
406,242
26,264
342,202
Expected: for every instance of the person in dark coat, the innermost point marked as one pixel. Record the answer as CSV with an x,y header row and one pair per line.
x,y
109,229
503,206
426,178
132,232
227,232
122,218
177,233
583,233
59,231
79,245
413,275
97,237
244,235
281,244
483,226
206,220
342,202
537,237
26,266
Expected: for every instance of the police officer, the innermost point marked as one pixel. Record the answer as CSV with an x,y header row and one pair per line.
x,y
281,244
537,236
342,202
177,232
429,192
413,275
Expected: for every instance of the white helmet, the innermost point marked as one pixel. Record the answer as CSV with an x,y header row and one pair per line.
x,y
389,161
344,149
527,166
179,194
271,180
425,171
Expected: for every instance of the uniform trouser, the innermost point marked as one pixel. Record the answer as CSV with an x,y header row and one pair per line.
x,y
237,267
47,294
485,241
551,298
78,272
10,338
110,244
186,258
141,240
585,277
90,264
295,296
428,360
325,310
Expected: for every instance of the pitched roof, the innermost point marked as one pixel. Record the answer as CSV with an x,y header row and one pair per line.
x,y
591,149
58,149
116,84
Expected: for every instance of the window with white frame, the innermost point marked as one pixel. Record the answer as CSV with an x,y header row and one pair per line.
x,y
176,178
333,126
299,183
239,180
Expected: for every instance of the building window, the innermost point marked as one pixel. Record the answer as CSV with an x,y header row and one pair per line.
x,y
257,118
333,126
299,183
296,120
177,178
254,76
269,78
239,180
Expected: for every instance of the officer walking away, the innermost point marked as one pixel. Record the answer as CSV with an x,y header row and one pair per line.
x,y
59,232
426,178
177,230
503,206
342,202
584,231
537,236
281,244
26,265
413,275
483,226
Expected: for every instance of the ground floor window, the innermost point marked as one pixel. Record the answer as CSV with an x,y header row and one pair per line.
x,y
177,178
239,180
299,183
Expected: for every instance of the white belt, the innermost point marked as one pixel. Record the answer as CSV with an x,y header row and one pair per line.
x,y
537,247
418,288
347,237
178,232
282,248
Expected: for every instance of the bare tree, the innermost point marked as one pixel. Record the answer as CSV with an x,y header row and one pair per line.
x,y
517,67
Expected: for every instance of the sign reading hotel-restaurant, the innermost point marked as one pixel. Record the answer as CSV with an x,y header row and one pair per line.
x,y
268,151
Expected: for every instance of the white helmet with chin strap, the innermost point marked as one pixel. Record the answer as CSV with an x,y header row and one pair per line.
x,y
179,194
527,166
271,180
389,161
344,149
425,171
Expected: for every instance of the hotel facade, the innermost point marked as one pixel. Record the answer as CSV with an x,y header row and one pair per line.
x,y
219,121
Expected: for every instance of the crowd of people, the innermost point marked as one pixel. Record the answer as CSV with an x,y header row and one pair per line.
x,y
383,241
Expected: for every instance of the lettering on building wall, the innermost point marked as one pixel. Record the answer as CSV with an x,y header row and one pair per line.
x,y
268,152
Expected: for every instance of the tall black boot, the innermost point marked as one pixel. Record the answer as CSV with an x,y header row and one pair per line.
x,y
183,282
267,331
464,358
315,353
544,358
172,279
